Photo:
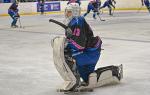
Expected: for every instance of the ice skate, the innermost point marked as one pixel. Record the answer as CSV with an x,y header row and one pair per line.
x,y
14,26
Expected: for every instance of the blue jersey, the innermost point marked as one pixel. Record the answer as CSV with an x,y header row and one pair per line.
x,y
82,37
81,32
14,7
84,47
98,2
110,1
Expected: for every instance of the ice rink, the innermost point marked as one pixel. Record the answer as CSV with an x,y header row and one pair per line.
x,y
26,59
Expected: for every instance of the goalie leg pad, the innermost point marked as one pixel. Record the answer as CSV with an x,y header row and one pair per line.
x,y
106,78
106,75
61,65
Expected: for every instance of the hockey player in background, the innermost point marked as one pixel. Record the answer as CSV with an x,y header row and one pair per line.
x,y
109,4
147,4
76,55
99,3
93,6
41,6
13,12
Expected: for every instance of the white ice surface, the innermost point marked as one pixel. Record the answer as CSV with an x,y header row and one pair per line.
x,y
26,59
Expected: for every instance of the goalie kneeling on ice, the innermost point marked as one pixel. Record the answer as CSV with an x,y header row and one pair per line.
x,y
76,55
67,68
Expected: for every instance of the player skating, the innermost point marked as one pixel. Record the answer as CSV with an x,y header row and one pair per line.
x,y
13,12
147,4
109,4
93,6
41,6
76,54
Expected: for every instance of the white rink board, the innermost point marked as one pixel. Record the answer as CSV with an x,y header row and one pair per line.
x,y
31,6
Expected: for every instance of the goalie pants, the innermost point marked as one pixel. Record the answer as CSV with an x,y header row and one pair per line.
x,y
86,62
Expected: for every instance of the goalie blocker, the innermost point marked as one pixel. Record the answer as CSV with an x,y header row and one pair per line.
x,y
101,76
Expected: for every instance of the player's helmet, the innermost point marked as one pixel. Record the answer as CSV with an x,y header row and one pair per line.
x,y
74,9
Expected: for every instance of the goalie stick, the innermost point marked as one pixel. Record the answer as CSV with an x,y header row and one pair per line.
x,y
68,31
59,23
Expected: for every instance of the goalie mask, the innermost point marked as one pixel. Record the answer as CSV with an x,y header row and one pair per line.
x,y
72,10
